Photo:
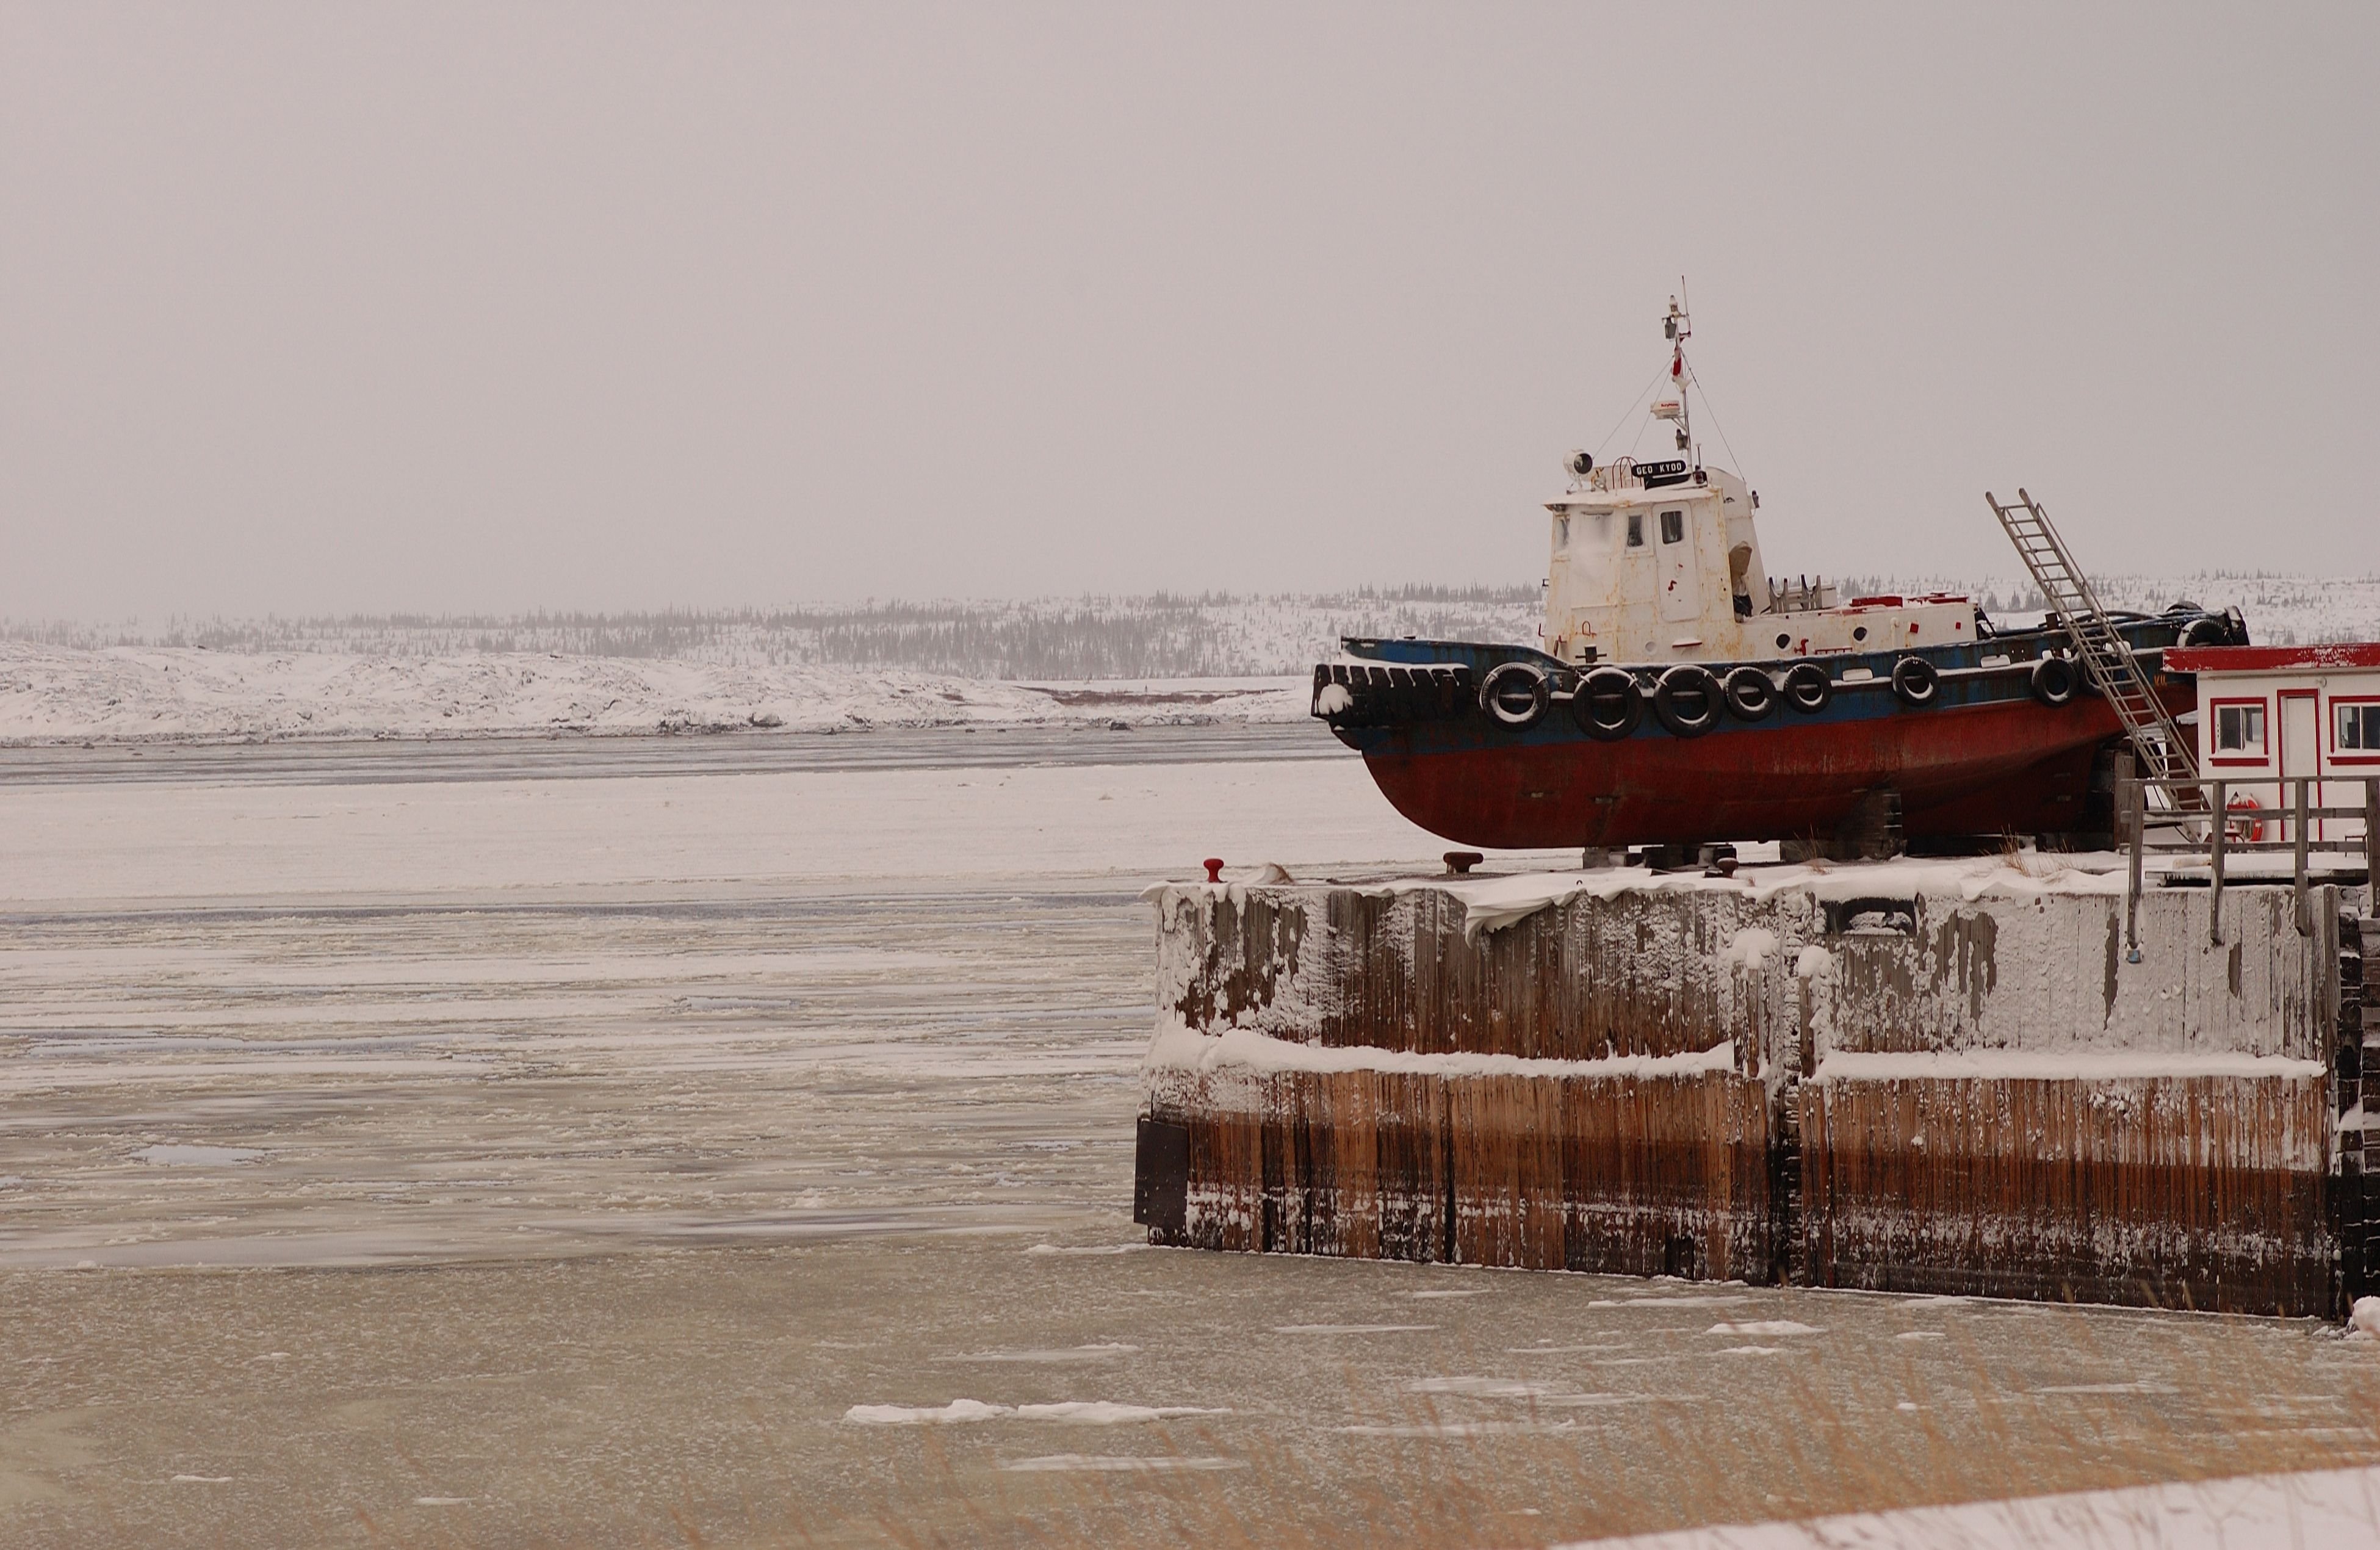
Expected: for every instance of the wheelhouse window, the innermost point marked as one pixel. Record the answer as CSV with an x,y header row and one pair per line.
x,y
1635,529
2359,728
2239,729
1673,526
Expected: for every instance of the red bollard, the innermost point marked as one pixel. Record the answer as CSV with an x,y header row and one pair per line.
x,y
1214,865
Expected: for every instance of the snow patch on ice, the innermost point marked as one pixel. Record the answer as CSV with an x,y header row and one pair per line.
x,y
926,1415
1105,1412
1103,1351
1483,1388
1548,1394
1062,1464
1458,1428
1769,1326
196,1157
1350,1328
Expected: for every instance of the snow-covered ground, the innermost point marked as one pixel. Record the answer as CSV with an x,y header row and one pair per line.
x,y
1162,636
2336,1509
54,694
1051,662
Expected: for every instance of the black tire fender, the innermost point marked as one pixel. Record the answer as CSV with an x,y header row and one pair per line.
x,y
2055,680
1808,687
1688,700
1515,694
1750,693
2207,629
1610,704
1917,682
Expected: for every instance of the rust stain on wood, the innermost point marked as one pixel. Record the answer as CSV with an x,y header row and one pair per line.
x,y
2203,1191
1646,1177
2209,1190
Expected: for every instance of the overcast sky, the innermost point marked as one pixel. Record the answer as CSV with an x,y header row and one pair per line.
x,y
316,307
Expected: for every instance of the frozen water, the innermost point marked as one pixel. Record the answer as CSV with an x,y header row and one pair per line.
x,y
615,1129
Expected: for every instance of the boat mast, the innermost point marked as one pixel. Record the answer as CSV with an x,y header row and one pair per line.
x,y
1678,327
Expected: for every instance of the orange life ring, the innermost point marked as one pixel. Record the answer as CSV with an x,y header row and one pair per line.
x,y
2249,831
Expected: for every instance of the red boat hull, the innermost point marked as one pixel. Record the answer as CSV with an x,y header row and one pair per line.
x,y
2011,766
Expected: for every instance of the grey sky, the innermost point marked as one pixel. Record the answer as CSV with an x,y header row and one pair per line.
x,y
331,308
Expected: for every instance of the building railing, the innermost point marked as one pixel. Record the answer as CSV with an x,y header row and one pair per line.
x,y
2143,803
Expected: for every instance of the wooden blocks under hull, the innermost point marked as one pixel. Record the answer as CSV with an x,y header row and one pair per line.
x,y
1733,1085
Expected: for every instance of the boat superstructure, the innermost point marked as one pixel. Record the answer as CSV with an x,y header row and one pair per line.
x,y
1651,563
1657,561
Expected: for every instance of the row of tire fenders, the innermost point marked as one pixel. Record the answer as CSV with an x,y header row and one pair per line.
x,y
1691,699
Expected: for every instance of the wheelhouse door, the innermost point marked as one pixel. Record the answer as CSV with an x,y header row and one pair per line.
x,y
1681,599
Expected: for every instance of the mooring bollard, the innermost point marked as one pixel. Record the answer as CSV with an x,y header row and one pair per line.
x,y
1461,861
1214,865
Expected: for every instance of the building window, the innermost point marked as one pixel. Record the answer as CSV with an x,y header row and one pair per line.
x,y
2359,729
2239,729
1635,529
1673,526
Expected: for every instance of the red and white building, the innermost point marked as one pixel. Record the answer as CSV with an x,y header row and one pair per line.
x,y
2267,713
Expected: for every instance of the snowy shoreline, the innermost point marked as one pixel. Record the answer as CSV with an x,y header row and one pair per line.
x,y
829,670
52,695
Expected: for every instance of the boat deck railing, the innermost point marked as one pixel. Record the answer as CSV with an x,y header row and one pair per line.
x,y
2234,822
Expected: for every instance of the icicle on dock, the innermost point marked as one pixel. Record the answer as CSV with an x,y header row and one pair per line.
x,y
1951,1077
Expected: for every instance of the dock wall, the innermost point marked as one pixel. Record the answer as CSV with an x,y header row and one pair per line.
x,y
1899,1077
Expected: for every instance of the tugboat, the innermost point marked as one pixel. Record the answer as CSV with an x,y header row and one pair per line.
x,y
1684,697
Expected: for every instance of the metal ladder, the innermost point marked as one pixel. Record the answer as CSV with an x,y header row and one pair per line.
x,y
2163,751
